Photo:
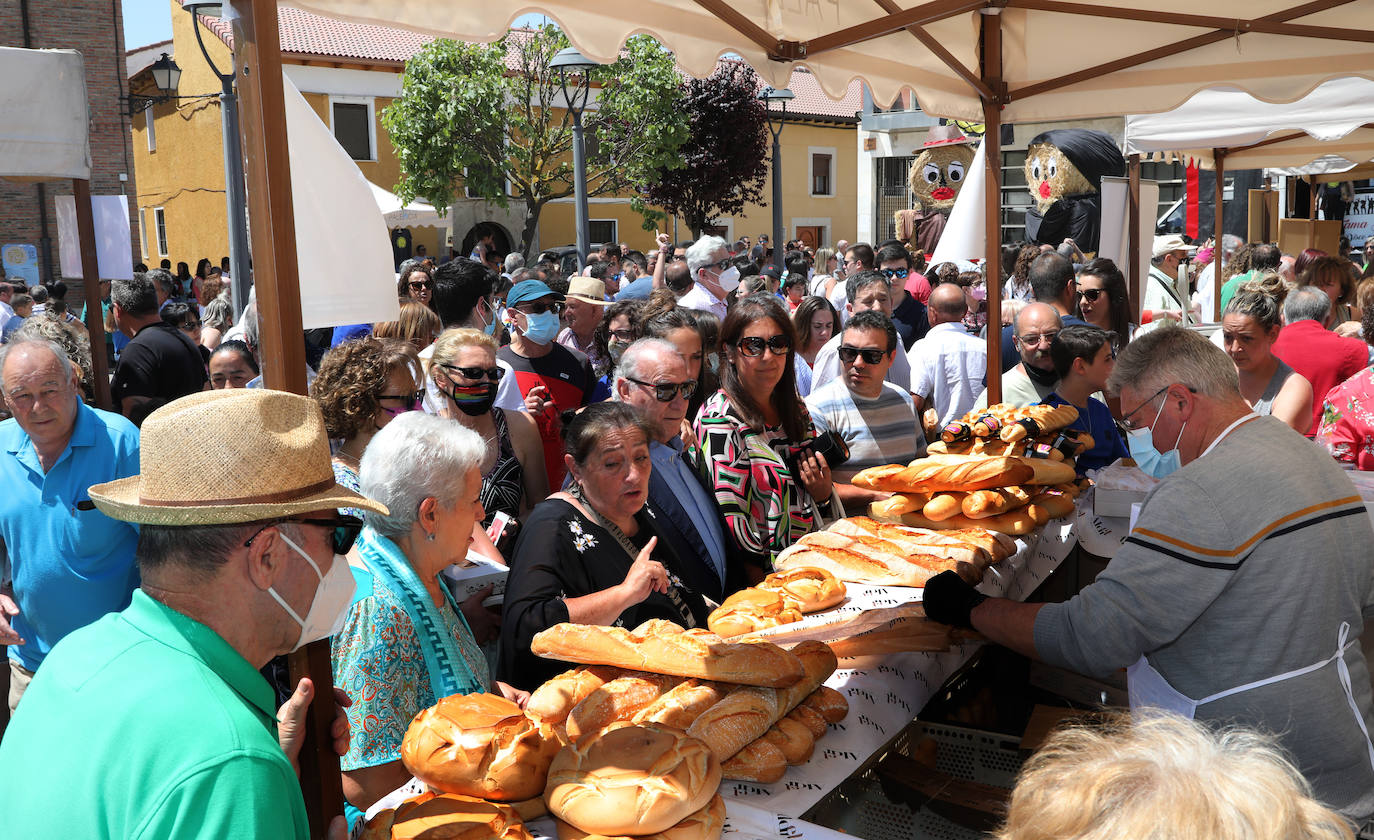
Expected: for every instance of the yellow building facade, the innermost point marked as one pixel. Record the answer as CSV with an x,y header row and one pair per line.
x,y
178,155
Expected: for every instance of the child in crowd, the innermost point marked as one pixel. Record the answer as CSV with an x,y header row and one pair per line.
x,y
1083,358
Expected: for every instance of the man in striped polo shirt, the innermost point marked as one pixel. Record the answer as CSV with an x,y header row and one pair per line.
x,y
1240,595
876,418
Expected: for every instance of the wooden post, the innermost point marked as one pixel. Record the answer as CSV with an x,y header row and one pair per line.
x,y
1312,211
991,62
90,280
272,229
1218,155
1133,233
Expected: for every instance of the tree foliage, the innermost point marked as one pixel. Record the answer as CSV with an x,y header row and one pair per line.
x,y
724,162
476,112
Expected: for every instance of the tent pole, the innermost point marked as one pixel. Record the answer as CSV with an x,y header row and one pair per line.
x,y
1133,232
1218,155
991,65
272,230
1312,211
90,282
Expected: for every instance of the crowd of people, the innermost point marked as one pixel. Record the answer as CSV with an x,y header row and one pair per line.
x,y
636,441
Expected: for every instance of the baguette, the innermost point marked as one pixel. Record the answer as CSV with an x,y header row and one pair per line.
x,y
681,704
898,504
618,699
793,738
830,703
1051,505
1038,419
759,761
690,653
552,701
930,475
943,505
1018,522
811,590
912,541
856,567
982,503
813,720
1045,471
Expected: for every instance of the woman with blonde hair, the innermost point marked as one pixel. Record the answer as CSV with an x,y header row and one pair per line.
x,y
1250,323
464,370
1163,777
418,326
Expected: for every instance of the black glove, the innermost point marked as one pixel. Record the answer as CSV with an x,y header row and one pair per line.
x,y
949,599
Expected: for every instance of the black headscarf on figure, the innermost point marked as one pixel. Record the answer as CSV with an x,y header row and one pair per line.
x,y
1094,154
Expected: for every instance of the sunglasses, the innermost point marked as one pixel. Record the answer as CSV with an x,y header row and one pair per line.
x,y
411,401
476,373
416,286
896,273
627,336
720,266
753,345
871,355
1091,295
539,308
665,391
345,530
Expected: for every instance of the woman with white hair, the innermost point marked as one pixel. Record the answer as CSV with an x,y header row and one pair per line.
x,y
405,644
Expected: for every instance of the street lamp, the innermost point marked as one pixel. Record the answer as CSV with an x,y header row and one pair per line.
x,y
781,96
166,76
235,197
571,62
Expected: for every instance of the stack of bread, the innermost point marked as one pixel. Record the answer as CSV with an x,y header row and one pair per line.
x,y
781,598
1004,468
861,549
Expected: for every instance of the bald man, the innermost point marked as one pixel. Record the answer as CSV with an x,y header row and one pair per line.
x,y
948,365
1033,378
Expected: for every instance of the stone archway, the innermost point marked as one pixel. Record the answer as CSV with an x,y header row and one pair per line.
x,y
500,238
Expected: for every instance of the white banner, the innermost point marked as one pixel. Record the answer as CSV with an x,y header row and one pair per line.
x,y
114,255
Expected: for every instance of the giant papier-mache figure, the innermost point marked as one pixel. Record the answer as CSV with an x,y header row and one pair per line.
x,y
1064,170
935,178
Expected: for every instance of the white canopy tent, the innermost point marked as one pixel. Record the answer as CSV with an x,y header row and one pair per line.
x,y
417,213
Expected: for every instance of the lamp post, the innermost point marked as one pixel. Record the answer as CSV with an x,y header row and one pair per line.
x,y
166,76
781,96
571,62
235,198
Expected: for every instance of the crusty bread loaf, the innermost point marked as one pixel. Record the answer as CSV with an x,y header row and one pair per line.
x,y
793,738
752,609
1017,521
1046,471
632,779
831,704
759,761
874,477
682,704
856,567
1044,418
450,816
876,560
982,503
929,475
478,745
552,701
898,504
705,824
811,589
618,699
808,717
909,541
1051,505
690,653
943,505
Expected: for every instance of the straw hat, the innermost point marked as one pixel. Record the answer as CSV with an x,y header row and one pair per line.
x,y
588,290
222,457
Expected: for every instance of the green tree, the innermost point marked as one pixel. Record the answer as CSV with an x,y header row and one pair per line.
x,y
477,112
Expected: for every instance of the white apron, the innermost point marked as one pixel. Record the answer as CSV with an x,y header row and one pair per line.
x,y
1147,688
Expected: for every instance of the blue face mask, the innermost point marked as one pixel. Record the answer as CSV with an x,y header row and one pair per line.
x,y
1150,460
541,328
490,328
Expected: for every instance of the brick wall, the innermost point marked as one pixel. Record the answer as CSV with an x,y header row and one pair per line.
x,y
96,29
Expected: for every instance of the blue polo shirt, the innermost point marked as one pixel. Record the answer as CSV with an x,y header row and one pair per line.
x,y
70,566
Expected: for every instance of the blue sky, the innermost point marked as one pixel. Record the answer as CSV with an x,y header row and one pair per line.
x,y
149,21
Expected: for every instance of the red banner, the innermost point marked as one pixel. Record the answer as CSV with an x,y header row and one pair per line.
x,y
1190,224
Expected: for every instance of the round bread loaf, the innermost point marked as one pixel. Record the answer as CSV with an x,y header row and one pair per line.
x,y
479,745
811,589
752,609
448,816
631,779
705,824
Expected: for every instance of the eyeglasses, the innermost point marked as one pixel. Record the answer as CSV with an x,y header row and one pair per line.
x,y
720,266
345,530
627,336
895,273
417,285
412,402
666,391
753,345
1037,338
1091,295
475,373
871,355
539,308
1126,420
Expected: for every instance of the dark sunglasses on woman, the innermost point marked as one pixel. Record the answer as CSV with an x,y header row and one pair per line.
x,y
1091,295
753,345
475,373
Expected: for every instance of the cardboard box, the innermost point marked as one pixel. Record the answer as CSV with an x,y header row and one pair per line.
x,y
1112,502
465,580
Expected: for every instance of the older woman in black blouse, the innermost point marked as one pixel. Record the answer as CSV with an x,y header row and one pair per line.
x,y
590,555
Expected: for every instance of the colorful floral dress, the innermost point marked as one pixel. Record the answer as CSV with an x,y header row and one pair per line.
x,y
1347,422
766,509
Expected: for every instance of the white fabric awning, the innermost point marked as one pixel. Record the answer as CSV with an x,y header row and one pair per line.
x,y
417,213
1329,130
43,115
1061,60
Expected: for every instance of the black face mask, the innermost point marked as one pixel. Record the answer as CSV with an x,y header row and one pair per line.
x,y
1040,377
473,400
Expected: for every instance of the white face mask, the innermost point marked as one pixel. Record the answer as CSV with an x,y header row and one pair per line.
x,y
729,279
330,605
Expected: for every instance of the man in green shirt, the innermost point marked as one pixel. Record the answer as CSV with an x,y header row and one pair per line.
x,y
154,722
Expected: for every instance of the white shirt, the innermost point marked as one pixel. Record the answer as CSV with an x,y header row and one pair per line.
x,y
947,369
1206,294
699,297
7,314
828,367
507,395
